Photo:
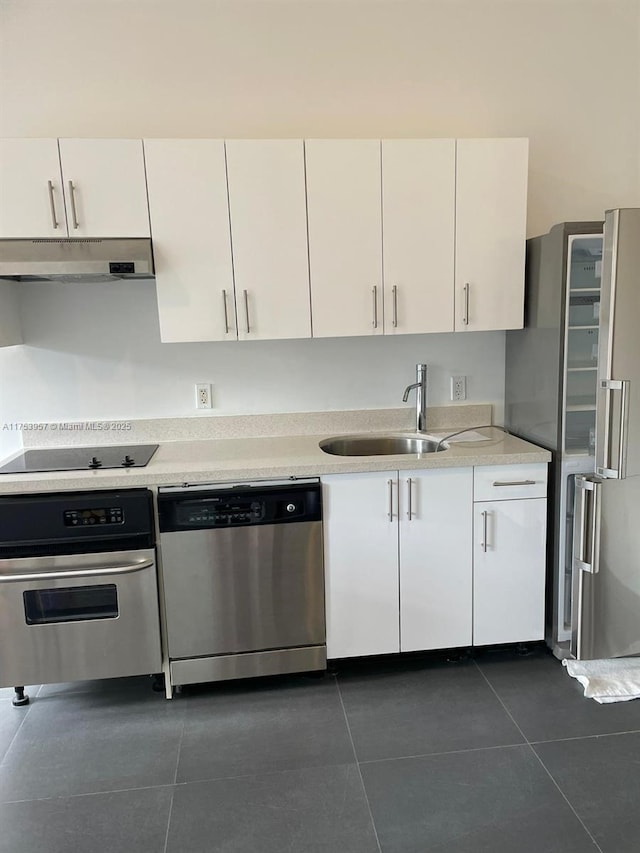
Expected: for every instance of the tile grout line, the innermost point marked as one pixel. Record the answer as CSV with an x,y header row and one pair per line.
x,y
438,754
355,755
585,737
175,774
87,794
542,764
166,837
17,732
175,780
206,779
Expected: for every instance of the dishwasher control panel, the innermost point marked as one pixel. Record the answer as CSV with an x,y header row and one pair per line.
x,y
214,512
240,506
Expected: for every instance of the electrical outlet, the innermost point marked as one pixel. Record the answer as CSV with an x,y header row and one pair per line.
x,y
458,388
203,395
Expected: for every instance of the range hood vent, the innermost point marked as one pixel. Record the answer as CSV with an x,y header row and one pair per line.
x,y
76,259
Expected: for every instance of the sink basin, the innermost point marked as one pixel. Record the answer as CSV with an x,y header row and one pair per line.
x,y
381,445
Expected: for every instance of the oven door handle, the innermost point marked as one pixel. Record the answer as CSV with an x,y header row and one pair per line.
x,y
55,574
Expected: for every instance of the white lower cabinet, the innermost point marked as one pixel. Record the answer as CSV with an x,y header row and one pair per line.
x,y
509,570
361,563
435,559
412,563
397,561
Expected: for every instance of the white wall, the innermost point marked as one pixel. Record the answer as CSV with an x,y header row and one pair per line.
x,y
90,359
565,73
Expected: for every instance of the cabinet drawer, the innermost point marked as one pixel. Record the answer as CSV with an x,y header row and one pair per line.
x,y
506,482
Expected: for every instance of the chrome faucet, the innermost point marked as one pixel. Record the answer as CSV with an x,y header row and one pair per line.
x,y
421,396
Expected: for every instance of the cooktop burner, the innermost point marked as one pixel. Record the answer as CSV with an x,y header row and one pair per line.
x,y
79,458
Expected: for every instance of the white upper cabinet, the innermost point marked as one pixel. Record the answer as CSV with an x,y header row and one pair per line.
x,y
418,228
269,237
345,244
104,187
191,239
73,188
491,204
31,199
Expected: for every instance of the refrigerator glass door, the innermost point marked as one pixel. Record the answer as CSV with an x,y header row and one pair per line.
x,y
584,268
618,393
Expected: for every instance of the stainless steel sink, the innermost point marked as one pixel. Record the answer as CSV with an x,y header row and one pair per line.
x,y
381,445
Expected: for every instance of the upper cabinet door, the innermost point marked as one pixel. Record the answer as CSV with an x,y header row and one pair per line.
x,y
31,200
345,245
191,239
491,208
269,237
104,186
418,225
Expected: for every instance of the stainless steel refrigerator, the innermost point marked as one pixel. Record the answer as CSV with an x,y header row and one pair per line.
x,y
573,386
606,540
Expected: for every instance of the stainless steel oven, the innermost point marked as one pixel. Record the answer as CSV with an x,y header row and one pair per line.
x,y
78,588
243,580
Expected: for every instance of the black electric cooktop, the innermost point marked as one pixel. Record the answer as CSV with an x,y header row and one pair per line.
x,y
79,458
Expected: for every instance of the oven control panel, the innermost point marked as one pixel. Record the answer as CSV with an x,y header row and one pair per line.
x,y
99,516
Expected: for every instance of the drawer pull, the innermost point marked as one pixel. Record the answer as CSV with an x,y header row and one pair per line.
x,y
515,483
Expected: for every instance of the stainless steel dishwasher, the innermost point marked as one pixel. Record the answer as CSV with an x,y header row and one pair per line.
x,y
243,580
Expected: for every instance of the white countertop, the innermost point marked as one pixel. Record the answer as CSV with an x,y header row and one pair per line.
x,y
225,460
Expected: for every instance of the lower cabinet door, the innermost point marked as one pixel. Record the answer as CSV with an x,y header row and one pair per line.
x,y
509,571
435,558
360,520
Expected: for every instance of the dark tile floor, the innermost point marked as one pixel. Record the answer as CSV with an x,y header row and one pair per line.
x,y
498,753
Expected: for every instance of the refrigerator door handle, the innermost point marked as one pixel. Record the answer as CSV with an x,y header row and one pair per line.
x,y
619,470
586,526
586,536
593,541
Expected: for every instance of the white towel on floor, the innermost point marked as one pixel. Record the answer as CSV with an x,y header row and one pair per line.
x,y
612,680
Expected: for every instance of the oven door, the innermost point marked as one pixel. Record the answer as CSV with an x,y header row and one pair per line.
x,y
81,616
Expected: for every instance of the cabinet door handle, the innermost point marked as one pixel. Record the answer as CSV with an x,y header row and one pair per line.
x,y
374,291
515,483
394,291
485,524
390,513
74,212
246,310
409,507
52,203
226,315
465,317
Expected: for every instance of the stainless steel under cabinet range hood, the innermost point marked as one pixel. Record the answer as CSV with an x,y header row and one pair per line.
x,y
76,259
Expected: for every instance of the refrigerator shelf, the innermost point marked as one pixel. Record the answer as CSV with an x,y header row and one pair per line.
x,y
582,327
584,290
581,407
581,366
